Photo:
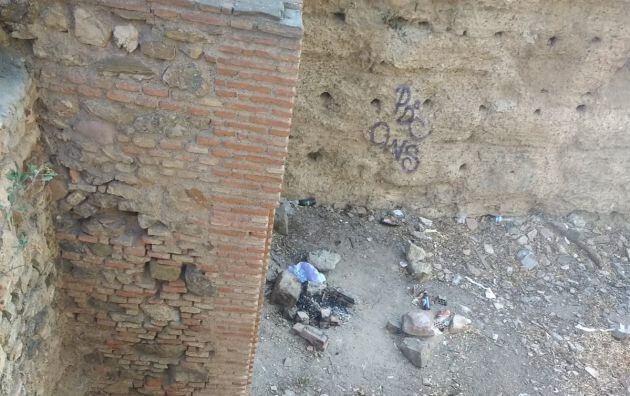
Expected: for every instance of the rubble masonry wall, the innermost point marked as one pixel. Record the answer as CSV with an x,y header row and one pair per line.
x,y
29,332
168,122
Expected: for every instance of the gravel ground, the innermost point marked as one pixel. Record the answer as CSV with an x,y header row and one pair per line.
x,y
541,335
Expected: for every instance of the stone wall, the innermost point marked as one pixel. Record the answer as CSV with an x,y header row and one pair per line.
x,y
169,123
492,107
30,331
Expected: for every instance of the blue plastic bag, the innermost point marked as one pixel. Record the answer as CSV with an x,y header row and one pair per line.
x,y
306,272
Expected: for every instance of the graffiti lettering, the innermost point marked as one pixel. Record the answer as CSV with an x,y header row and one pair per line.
x,y
409,122
405,152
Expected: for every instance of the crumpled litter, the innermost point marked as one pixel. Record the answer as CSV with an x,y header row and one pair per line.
x,y
305,271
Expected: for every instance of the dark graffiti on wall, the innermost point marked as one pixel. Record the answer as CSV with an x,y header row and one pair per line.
x,y
409,123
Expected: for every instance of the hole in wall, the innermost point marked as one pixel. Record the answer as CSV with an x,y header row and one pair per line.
x,y
425,26
326,99
463,167
543,90
537,112
427,103
340,16
376,103
499,34
581,108
465,33
552,41
315,155
483,108
596,40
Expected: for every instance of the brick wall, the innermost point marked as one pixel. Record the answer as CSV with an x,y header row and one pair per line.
x,y
169,120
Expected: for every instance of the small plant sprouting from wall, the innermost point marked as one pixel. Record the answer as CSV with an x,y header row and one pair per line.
x,y
21,184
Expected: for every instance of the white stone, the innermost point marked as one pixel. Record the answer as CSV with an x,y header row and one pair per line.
x,y
126,36
488,248
459,324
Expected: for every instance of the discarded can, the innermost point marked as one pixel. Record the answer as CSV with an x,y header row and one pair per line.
x,y
440,300
307,201
426,303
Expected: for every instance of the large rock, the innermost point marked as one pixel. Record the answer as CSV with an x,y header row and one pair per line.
x,y
186,76
286,291
419,324
160,312
281,218
90,28
415,253
273,269
158,50
197,283
417,267
116,65
420,270
56,17
419,352
324,260
164,272
97,131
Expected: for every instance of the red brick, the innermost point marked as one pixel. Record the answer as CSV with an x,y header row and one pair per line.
x,y
155,91
222,71
247,64
246,108
270,122
225,94
147,101
127,86
171,144
88,91
247,127
171,106
248,87
203,140
287,82
244,147
285,104
198,111
119,96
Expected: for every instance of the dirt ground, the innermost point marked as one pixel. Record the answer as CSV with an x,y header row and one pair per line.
x,y
524,342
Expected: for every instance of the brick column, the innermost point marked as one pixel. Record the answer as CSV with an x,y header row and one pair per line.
x,y
174,154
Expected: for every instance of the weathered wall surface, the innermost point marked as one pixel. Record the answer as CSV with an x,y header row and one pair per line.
x,y
169,122
479,107
29,326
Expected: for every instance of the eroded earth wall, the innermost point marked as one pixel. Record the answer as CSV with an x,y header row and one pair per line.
x,y
464,106
168,122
